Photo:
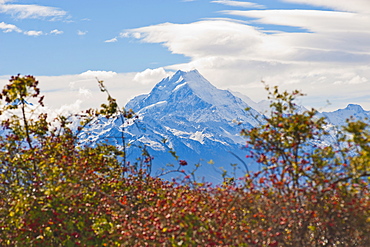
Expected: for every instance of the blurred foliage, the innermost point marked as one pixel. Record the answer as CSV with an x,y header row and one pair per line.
x,y
56,192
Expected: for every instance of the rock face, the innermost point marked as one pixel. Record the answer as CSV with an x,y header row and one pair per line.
x,y
187,114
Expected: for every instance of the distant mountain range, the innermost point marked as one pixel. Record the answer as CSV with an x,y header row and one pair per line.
x,y
185,113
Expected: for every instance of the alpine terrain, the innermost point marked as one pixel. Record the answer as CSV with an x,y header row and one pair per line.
x,y
186,118
186,114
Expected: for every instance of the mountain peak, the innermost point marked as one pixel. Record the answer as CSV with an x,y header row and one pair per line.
x,y
184,72
352,111
180,77
192,77
354,107
188,95
190,74
179,85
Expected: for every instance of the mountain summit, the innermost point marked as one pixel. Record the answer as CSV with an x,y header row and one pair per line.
x,y
339,117
185,113
189,95
196,119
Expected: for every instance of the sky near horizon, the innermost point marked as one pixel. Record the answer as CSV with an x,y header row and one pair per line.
x,y
319,47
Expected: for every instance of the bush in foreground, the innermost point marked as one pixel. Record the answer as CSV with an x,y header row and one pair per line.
x,y
55,192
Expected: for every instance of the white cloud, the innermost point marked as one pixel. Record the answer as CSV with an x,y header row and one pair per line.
x,y
312,20
12,28
238,3
9,28
69,109
85,92
33,33
328,41
73,93
81,33
335,36
111,40
125,34
331,62
56,32
359,6
238,56
356,79
31,11
136,35
150,76
204,38
318,81
99,74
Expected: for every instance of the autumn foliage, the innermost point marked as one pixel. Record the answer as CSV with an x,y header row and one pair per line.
x,y
56,192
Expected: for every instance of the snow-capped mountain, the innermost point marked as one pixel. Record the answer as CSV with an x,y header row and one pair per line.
x,y
339,117
262,106
185,113
198,121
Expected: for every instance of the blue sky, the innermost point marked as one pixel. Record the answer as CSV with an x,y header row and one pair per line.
x,y
321,47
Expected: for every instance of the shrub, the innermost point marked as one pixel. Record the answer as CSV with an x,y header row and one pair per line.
x,y
57,192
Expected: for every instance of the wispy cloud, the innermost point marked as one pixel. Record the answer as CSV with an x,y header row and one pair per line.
x,y
33,33
359,6
22,11
238,4
98,73
111,40
201,39
7,28
332,33
56,32
312,20
81,33
336,49
4,1
84,92
150,76
130,34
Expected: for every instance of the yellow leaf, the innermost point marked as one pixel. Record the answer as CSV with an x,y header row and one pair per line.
x,y
312,228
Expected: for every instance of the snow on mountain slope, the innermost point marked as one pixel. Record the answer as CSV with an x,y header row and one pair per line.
x,y
197,120
262,106
190,95
338,117
187,114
